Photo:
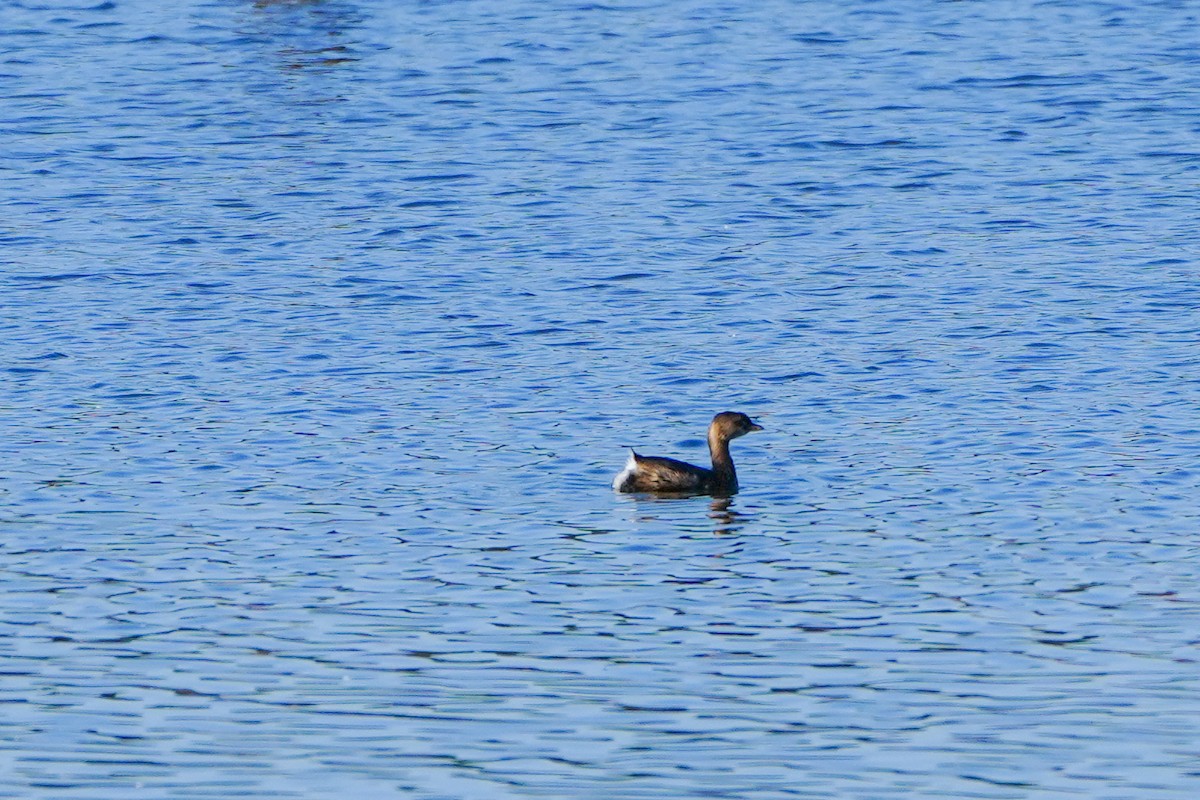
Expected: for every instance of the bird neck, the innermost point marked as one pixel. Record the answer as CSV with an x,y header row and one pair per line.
x,y
722,462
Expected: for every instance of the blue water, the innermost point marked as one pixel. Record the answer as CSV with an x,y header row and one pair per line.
x,y
324,326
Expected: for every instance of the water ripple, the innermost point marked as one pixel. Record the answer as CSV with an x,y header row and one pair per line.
x,y
326,322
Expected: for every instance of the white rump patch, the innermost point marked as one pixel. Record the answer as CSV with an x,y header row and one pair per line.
x,y
624,475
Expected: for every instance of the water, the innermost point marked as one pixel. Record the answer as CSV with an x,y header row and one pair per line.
x,y
324,326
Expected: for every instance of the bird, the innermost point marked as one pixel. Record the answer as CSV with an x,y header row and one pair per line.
x,y
657,475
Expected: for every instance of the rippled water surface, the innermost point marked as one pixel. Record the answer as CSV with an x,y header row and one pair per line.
x,y
325,324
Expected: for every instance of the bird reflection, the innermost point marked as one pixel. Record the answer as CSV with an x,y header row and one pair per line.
x,y
720,510
292,24
727,520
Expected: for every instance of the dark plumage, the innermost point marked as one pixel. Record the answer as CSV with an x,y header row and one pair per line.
x,y
668,476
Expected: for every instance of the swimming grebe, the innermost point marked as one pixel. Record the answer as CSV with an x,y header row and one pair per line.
x,y
668,476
